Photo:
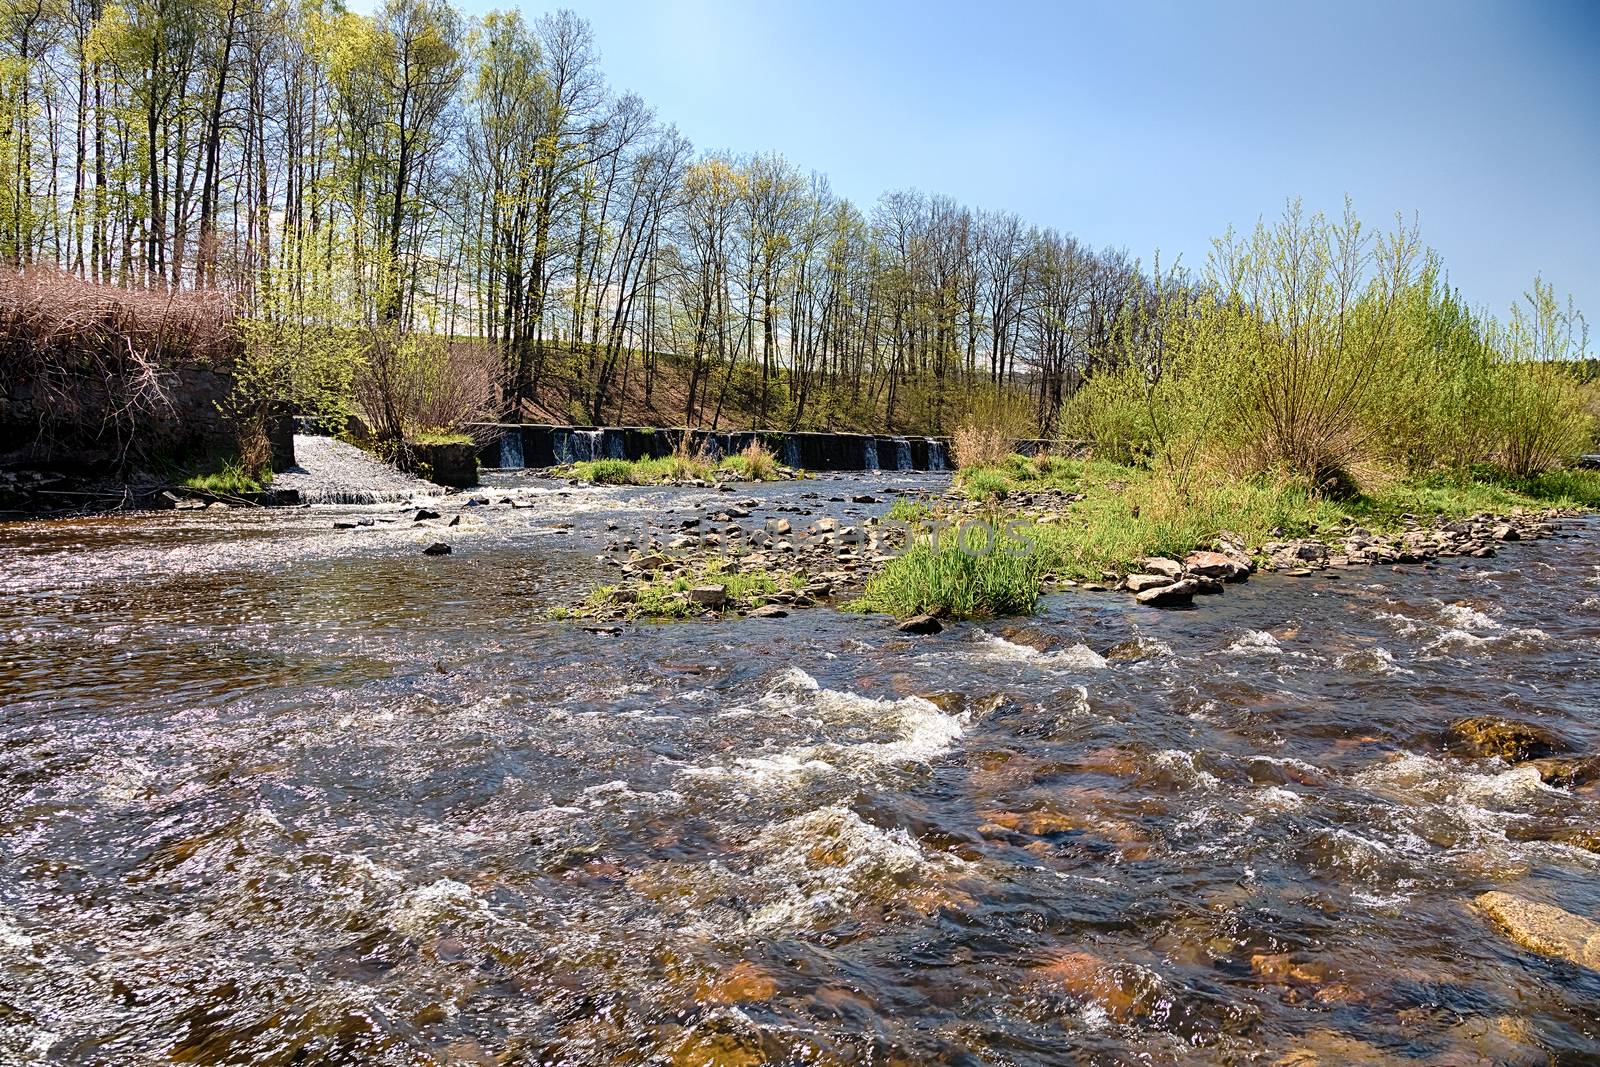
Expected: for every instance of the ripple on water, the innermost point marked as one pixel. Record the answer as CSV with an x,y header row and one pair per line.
x,y
319,800
861,736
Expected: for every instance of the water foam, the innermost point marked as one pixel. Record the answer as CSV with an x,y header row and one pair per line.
x,y
1074,657
918,732
830,860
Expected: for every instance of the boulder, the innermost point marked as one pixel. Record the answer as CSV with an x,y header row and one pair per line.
x,y
778,526
1167,596
1216,565
1544,928
1138,583
1161,565
438,548
768,611
920,624
1514,742
709,596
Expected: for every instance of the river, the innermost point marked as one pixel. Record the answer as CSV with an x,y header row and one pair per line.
x,y
278,793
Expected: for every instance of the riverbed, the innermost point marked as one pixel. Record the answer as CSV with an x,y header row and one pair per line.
x,y
278,792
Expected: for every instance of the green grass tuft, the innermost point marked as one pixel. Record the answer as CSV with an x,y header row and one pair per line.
x,y
230,478
953,584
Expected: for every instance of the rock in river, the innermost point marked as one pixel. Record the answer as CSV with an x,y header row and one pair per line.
x,y
921,624
1545,928
1216,565
1167,596
1487,735
438,548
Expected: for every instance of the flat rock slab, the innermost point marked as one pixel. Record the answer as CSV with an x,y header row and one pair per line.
x,y
1544,928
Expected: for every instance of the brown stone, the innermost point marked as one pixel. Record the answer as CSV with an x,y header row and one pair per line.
x,y
1488,735
1544,928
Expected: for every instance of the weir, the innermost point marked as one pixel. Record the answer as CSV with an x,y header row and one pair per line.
x,y
511,446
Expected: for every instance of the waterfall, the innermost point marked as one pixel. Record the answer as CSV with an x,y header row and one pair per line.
x,y
902,455
936,460
791,451
589,446
511,450
561,445
616,445
869,455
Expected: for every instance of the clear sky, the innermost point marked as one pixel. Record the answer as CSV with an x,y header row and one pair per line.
x,y
1156,125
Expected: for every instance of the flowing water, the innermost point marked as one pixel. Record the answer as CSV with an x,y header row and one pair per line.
x,y
277,793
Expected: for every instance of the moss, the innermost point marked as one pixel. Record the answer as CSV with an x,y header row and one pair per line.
x,y
440,437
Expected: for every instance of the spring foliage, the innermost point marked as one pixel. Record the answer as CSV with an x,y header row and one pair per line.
x,y
1321,350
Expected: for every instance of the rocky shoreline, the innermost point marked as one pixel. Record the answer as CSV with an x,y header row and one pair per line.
x,y
826,560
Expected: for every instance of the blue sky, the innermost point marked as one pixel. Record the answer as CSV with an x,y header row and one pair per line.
x,y
1157,125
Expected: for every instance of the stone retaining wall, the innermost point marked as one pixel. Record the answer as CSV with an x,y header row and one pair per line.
x,y
82,429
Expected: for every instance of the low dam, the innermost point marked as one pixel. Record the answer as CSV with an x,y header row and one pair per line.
x,y
516,446
525,445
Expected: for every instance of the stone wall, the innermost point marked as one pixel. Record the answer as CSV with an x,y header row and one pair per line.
x,y
84,424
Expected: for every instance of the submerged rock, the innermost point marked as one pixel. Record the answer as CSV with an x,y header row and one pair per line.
x,y
1570,771
1544,928
1488,735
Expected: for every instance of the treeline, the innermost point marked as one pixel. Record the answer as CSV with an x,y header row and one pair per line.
x,y
419,174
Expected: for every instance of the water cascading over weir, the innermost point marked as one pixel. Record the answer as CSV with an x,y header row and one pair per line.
x,y
535,446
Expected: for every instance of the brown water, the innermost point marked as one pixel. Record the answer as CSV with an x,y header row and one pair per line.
x,y
274,793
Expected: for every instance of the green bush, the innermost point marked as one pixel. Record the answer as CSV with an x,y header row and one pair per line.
x,y
951,583
985,483
607,472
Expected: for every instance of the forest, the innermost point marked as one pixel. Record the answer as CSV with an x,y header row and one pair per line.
x,y
436,220
476,192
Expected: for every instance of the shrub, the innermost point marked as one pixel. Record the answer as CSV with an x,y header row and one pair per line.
x,y
607,472
754,462
987,436
409,384
59,333
1539,417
